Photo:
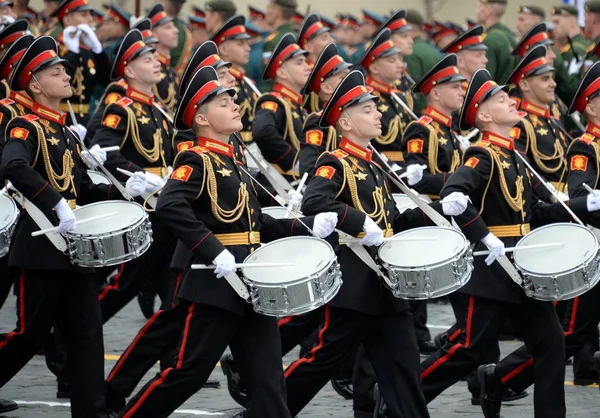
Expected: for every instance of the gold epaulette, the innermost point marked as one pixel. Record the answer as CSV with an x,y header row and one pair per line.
x,y
424,120
339,154
7,101
587,138
30,118
197,150
481,144
124,102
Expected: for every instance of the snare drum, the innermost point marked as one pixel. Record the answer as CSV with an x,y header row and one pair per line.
x,y
8,220
558,273
278,212
109,241
429,268
98,177
403,202
312,282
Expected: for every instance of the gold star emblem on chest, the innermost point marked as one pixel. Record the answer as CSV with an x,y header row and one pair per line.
x,y
505,165
542,131
224,172
361,176
144,120
442,141
53,140
383,107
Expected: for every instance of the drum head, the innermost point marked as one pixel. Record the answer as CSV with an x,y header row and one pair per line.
x,y
125,214
8,211
580,245
441,244
309,255
98,177
403,202
278,212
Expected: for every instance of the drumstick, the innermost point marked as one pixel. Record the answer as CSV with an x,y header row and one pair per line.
x,y
243,265
396,239
130,174
78,222
404,175
588,188
109,149
523,248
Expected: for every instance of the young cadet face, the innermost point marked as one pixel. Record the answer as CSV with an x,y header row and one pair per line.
x,y
167,34
53,82
404,42
451,95
539,87
334,81
145,68
298,69
470,61
389,68
78,18
236,51
225,77
365,119
223,114
316,45
550,55
499,109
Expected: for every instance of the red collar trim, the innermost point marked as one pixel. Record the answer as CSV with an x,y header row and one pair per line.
x,y
499,141
138,96
216,146
21,98
164,60
438,116
238,73
296,98
380,87
536,110
47,113
593,129
356,150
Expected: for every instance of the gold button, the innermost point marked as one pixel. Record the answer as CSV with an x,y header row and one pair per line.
x,y
388,213
389,226
251,250
253,224
251,211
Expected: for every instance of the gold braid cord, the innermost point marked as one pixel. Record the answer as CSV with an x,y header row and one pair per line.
x,y
392,132
169,101
597,151
538,157
331,142
516,202
67,164
290,133
432,154
379,211
151,154
77,82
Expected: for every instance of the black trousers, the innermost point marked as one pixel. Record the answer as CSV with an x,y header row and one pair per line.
x,y
207,330
7,278
65,299
542,332
390,343
419,310
156,340
580,317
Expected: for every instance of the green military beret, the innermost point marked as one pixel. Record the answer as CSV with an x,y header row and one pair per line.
x,y
565,10
592,6
532,10
220,6
415,17
292,4
494,1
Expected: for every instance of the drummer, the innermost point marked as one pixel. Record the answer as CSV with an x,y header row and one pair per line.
x,y
517,369
207,181
351,184
503,205
51,289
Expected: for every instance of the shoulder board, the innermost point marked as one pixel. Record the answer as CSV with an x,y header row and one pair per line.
x,y
338,153
112,98
515,133
587,138
197,150
7,101
271,36
424,120
184,146
124,101
30,118
122,83
482,144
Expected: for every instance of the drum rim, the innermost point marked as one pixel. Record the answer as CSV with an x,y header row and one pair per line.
x,y
278,208
564,272
15,214
145,219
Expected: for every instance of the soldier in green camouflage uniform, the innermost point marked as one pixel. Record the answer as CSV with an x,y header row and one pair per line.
x,y
528,17
181,54
279,15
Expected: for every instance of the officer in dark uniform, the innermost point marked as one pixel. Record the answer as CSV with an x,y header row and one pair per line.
x,y
166,34
539,134
84,53
215,315
232,41
52,291
384,68
580,315
506,209
277,127
138,125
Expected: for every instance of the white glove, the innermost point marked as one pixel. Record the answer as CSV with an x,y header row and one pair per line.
x,y
495,246
225,263
154,182
66,217
294,199
137,184
324,224
593,201
71,38
7,20
574,66
456,204
414,174
89,38
373,233
80,130
95,151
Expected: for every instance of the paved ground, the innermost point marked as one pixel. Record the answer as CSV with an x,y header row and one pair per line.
x,y
34,386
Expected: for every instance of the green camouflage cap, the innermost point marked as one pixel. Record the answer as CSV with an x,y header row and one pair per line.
x,y
565,10
494,1
292,4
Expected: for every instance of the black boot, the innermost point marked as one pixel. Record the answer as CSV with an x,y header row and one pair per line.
x,y
114,402
343,387
597,361
146,297
234,383
509,396
7,406
492,391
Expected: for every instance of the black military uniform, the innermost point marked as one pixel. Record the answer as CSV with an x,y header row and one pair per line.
x,y
235,28
144,134
580,315
166,90
538,135
277,127
395,118
318,140
85,66
363,311
215,315
508,208
51,289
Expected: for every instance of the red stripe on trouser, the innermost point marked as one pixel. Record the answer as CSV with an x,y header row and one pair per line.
x,y
517,370
21,311
139,335
455,347
315,349
455,335
573,316
184,338
147,393
115,286
177,284
284,321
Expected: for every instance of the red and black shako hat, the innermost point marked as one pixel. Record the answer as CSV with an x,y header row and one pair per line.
x,y
145,27
286,49
481,87
382,46
445,71
311,28
13,54
42,53
587,90
537,35
203,86
132,46
352,90
158,16
68,6
534,63
234,28
206,55
471,40
328,64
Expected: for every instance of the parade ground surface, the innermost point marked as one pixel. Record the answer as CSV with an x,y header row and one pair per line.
x,y
34,386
